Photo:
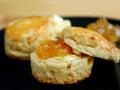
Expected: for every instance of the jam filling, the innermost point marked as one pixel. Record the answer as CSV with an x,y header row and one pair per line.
x,y
50,49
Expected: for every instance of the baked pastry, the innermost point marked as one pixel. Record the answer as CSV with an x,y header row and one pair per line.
x,y
24,35
55,62
90,43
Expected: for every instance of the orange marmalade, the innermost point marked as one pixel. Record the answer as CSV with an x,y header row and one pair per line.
x,y
106,29
50,49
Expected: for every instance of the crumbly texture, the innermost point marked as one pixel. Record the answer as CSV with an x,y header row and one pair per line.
x,y
90,43
23,36
61,70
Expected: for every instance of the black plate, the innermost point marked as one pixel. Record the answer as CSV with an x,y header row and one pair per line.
x,y
17,74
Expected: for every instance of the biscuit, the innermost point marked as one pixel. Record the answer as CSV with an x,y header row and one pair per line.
x,y
90,43
60,67
24,35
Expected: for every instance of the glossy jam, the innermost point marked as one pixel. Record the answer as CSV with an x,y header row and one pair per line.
x,y
106,29
53,49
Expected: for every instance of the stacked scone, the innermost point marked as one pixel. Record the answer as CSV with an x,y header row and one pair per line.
x,y
59,53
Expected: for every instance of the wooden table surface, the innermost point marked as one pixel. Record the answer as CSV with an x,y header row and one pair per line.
x,y
10,9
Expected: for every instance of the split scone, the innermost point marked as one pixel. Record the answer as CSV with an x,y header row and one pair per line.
x,y
90,43
55,62
24,35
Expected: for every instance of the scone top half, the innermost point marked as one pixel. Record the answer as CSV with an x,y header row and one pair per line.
x,y
90,43
24,35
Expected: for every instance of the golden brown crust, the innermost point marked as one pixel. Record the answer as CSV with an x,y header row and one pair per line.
x,y
21,36
90,43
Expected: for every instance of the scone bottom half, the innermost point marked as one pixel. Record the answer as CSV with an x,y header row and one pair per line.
x,y
91,43
55,62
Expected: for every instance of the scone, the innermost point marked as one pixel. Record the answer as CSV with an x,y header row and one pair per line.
x,y
54,62
90,43
24,35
